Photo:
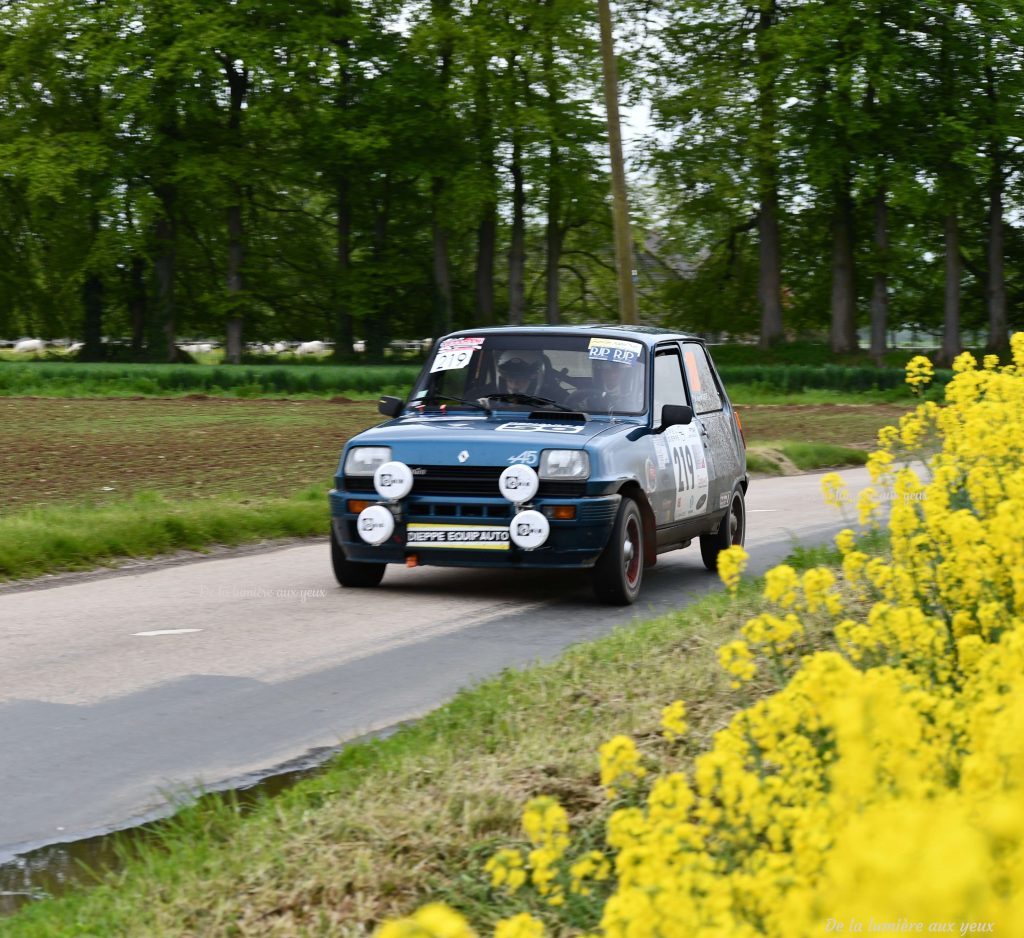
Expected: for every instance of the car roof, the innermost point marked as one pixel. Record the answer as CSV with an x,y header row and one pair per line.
x,y
649,335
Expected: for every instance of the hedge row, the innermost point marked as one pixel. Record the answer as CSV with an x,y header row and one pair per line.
x,y
796,378
80,380
72,379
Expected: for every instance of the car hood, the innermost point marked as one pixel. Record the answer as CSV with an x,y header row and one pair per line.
x,y
480,440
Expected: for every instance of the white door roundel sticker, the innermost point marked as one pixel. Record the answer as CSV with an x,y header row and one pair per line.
x,y
393,480
375,524
518,483
689,470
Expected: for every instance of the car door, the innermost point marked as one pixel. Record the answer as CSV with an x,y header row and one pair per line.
x,y
716,425
685,466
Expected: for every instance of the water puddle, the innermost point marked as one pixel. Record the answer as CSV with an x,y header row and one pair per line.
x,y
52,870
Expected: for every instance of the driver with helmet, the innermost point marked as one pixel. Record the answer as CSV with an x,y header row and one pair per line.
x,y
613,388
517,374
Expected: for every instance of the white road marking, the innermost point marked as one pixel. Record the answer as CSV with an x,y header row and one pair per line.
x,y
167,632
753,510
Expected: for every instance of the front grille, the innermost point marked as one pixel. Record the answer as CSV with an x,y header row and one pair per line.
x,y
466,480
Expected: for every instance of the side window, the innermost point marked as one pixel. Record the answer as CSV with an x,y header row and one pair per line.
x,y
668,381
703,388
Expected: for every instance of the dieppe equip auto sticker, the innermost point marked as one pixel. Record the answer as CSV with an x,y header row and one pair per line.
x,y
539,428
615,350
475,537
455,353
690,469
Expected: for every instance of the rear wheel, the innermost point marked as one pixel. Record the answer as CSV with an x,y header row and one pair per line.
x,y
620,569
350,572
732,531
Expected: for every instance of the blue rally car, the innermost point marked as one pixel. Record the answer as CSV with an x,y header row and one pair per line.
x,y
598,447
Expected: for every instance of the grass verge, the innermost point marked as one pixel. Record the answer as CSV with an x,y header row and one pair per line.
x,y
82,536
391,824
790,456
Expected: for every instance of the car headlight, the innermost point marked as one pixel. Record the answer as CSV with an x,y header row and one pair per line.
x,y
564,464
364,460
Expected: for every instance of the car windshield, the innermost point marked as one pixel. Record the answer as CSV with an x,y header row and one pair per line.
x,y
535,371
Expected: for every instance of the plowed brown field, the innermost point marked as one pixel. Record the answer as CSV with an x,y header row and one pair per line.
x,y
106,449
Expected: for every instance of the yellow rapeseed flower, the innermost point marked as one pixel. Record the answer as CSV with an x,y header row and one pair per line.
x,y
432,921
731,563
522,925
620,765
919,372
673,721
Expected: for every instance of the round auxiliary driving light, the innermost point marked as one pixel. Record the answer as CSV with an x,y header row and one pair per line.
x,y
529,530
393,480
518,483
375,524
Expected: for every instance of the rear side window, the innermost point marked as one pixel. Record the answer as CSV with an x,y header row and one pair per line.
x,y
700,378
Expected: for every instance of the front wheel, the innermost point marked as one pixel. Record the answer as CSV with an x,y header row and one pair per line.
x,y
350,572
619,570
732,531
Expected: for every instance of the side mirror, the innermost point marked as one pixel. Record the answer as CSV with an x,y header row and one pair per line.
x,y
390,406
674,415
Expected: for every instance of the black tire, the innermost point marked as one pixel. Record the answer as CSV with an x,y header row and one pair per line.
x,y
620,569
352,573
732,530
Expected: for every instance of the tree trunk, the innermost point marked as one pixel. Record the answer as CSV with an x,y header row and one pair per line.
x,y
92,303
163,329
92,307
517,246
554,235
443,311
377,326
443,306
769,277
486,245
880,281
951,346
344,332
137,306
998,337
769,251
843,337
487,228
235,285
238,86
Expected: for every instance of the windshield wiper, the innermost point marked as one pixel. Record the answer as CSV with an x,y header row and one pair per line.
x,y
528,399
438,398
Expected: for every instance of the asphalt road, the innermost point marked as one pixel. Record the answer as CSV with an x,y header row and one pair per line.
x,y
120,690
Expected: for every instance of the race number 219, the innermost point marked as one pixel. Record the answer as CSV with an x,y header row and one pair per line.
x,y
685,468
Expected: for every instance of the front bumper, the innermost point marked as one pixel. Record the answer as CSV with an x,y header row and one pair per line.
x,y
571,544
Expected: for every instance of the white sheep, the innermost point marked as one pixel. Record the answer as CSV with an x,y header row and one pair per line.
x,y
310,348
30,345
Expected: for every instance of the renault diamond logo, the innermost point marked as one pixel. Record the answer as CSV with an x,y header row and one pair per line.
x,y
464,455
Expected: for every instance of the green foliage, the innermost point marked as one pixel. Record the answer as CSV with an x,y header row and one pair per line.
x,y
75,537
